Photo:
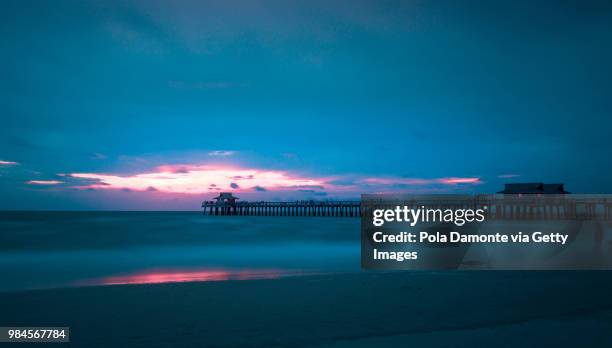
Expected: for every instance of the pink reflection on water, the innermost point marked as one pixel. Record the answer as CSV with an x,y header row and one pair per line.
x,y
186,275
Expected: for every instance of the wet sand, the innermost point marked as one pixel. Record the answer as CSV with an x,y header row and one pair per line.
x,y
447,309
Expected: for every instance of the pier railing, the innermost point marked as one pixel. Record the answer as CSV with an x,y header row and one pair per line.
x,y
296,208
508,207
499,207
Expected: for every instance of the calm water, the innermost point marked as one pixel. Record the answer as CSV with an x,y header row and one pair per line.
x,y
58,249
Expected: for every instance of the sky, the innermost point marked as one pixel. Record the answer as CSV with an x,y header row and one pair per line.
x,y
139,105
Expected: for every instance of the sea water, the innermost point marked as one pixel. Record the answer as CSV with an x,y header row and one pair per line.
x,y
59,249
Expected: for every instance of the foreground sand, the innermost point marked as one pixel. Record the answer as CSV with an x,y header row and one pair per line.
x,y
454,309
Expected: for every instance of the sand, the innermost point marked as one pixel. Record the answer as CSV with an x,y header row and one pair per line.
x,y
448,309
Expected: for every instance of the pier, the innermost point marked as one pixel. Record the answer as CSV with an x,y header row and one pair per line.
x,y
297,208
498,207
227,204
574,207
509,207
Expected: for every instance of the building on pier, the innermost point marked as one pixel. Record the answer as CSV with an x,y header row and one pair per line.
x,y
226,198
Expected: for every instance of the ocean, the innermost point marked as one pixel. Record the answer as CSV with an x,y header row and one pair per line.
x,y
40,250
182,279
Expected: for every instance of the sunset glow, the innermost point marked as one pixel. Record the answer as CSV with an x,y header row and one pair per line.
x,y
420,181
452,181
201,179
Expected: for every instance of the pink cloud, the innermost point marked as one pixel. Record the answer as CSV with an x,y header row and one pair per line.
x,y
197,179
253,182
395,181
44,182
454,181
8,163
420,181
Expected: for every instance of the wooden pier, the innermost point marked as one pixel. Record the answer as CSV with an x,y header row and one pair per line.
x,y
509,207
297,208
574,207
498,207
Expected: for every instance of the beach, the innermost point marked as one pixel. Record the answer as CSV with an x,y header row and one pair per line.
x,y
448,309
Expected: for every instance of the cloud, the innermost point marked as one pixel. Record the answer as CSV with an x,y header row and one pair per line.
x,y
44,182
316,193
309,187
98,156
174,169
508,176
197,179
8,163
343,182
202,179
219,153
420,181
454,181
238,177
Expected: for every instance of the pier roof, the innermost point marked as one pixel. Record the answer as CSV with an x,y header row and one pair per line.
x,y
226,196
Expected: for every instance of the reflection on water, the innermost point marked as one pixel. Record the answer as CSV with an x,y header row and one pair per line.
x,y
186,275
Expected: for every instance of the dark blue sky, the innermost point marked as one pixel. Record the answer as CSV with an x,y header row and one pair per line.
x,y
319,99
